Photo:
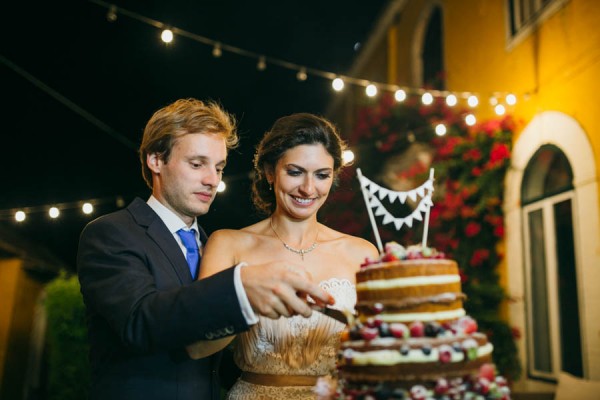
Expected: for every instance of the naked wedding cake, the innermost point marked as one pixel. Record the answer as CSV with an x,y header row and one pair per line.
x,y
411,338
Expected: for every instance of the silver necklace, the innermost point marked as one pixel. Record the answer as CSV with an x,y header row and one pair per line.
x,y
302,252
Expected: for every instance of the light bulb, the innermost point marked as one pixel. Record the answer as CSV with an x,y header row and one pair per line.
x,y
262,64
301,75
470,119
427,98
472,101
20,216
348,156
440,129
511,99
221,187
500,109
111,15
53,212
400,95
337,84
371,90
167,35
87,208
217,52
451,100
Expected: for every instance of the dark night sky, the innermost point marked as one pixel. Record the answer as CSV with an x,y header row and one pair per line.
x,y
121,72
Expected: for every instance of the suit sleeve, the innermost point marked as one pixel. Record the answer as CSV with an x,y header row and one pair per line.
x,y
119,268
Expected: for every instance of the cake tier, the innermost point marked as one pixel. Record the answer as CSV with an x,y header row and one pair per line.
x,y
420,359
410,290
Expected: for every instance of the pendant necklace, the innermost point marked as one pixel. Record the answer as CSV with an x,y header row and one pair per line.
x,y
302,252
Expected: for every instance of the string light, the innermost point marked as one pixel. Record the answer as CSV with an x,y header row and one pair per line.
x,y
217,52
338,84
371,90
348,156
87,208
440,129
20,216
470,119
427,98
472,101
53,212
301,75
500,109
56,210
167,35
221,187
451,100
262,64
400,95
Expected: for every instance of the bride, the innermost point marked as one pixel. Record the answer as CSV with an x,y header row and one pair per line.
x,y
296,165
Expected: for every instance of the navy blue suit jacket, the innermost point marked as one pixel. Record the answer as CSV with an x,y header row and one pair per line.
x,y
143,308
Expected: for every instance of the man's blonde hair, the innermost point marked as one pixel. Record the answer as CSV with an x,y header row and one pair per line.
x,y
184,116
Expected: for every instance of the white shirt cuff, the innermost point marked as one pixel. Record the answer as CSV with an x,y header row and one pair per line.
x,y
247,310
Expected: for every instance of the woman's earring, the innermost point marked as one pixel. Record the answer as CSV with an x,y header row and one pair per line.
x,y
270,187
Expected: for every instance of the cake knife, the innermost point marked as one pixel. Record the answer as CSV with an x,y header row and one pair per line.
x,y
331,312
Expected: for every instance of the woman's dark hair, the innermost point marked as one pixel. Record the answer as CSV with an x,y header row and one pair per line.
x,y
287,133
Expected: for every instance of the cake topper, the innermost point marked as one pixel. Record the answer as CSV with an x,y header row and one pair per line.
x,y
374,193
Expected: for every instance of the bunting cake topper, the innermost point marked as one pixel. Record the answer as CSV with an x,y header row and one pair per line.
x,y
374,194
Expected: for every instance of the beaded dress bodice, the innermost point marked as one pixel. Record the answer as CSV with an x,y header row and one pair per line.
x,y
292,346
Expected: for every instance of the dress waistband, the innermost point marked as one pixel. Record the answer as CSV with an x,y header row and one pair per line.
x,y
279,380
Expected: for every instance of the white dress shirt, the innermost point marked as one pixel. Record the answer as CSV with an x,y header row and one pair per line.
x,y
174,223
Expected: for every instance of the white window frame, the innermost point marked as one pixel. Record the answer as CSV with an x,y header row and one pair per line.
x,y
525,26
546,205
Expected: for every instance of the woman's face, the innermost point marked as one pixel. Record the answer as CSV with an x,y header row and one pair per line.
x,y
302,179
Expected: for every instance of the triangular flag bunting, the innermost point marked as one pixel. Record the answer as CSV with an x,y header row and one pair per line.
x,y
382,193
402,196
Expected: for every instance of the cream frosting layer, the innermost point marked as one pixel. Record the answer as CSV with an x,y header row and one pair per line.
x,y
425,317
407,282
393,357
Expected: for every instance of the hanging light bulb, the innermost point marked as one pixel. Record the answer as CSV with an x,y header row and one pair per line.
x,y
472,101
500,109
217,52
371,90
440,129
427,98
111,15
511,99
337,84
470,119
167,35
262,64
400,95
20,216
493,101
347,156
221,187
451,100
87,208
301,75
53,212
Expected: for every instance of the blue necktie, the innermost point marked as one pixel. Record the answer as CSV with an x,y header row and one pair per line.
x,y
192,254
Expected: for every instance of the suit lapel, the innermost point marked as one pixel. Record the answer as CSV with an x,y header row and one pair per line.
x,y
158,232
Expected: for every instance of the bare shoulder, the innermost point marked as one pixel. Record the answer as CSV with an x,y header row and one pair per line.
x,y
226,237
354,247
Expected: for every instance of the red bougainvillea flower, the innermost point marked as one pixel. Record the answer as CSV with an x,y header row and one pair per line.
x,y
463,277
479,256
472,154
476,171
472,228
499,231
499,152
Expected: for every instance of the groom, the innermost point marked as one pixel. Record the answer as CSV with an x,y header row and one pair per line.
x,y
137,270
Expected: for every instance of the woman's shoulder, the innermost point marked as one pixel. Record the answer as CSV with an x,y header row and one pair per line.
x,y
350,244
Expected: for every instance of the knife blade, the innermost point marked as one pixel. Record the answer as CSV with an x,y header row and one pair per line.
x,y
332,313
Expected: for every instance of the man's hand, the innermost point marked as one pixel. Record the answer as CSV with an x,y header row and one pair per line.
x,y
280,289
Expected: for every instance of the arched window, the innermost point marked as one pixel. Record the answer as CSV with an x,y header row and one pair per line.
x,y
547,199
428,48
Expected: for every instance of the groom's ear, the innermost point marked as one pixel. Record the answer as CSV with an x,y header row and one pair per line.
x,y
154,162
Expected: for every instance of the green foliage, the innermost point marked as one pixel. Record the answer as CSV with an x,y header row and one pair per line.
x,y
467,220
68,365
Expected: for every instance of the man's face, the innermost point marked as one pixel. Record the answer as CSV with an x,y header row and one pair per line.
x,y
187,183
